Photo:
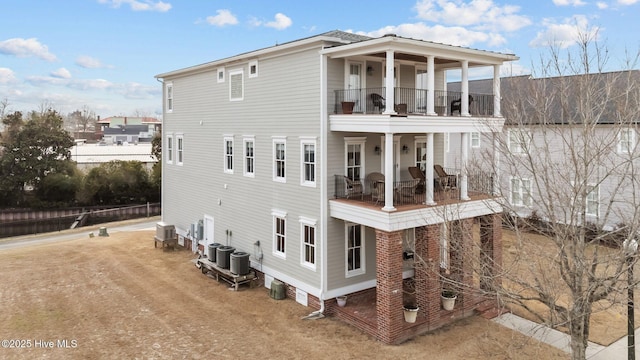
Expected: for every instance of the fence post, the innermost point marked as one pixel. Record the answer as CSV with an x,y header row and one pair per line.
x,y
148,210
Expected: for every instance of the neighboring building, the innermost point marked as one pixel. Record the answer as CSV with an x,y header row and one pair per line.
x,y
88,156
276,152
118,130
545,121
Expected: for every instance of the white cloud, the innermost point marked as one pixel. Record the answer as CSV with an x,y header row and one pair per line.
x,y
7,76
564,34
479,14
627,2
61,73
224,17
139,5
602,5
569,2
281,22
89,62
455,35
25,48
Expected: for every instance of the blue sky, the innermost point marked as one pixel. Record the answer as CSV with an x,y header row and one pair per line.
x,y
103,54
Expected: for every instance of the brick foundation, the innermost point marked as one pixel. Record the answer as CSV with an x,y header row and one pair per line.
x,y
389,285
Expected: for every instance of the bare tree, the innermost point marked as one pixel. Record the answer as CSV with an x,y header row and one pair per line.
x,y
568,162
83,119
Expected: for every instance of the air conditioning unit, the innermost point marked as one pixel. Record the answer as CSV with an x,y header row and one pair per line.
x,y
165,231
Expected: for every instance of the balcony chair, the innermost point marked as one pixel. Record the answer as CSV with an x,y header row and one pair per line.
x,y
417,174
375,182
378,101
407,189
352,188
446,181
456,105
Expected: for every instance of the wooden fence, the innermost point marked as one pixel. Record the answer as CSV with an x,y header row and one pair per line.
x,y
16,222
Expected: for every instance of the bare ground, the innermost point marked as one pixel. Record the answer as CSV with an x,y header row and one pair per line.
x,y
118,297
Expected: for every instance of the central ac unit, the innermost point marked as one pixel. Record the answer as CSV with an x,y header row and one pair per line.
x,y
165,231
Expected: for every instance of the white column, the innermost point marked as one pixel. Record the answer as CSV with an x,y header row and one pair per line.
x,y
496,163
464,84
431,84
428,171
496,91
463,172
388,172
389,94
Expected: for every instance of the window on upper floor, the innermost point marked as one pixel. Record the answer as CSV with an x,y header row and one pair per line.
x,y
354,158
518,140
592,206
228,154
279,159
169,150
475,139
354,244
626,141
249,157
179,149
308,231
308,150
236,85
279,233
253,68
169,97
520,192
220,75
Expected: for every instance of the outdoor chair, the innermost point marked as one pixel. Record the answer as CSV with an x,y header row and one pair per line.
x,y
378,101
446,181
417,174
352,188
375,182
407,189
456,105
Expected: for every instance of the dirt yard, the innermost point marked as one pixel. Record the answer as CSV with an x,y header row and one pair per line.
x,y
118,297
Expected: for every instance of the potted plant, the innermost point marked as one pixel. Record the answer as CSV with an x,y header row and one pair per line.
x,y
347,107
410,313
448,299
342,300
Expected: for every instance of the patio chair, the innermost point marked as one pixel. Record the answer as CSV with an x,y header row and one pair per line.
x,y
407,188
446,181
417,174
456,105
375,182
378,101
353,188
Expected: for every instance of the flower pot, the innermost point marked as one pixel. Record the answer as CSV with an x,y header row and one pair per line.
x,y
347,107
342,300
410,313
448,302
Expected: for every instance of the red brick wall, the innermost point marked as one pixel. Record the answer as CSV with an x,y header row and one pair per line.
x,y
427,265
389,285
491,251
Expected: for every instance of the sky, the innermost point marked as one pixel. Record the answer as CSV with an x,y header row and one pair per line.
x,y
102,55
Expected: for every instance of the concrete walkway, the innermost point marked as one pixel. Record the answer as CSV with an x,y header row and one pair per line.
x,y
560,340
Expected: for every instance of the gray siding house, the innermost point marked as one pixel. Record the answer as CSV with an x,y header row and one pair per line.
x,y
300,155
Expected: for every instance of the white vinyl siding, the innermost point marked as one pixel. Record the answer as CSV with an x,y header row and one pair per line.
x,y
236,85
169,95
355,251
179,149
308,160
520,192
169,150
279,233
249,157
279,160
228,154
308,233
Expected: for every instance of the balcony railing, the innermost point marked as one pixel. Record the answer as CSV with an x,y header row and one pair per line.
x,y
412,192
409,101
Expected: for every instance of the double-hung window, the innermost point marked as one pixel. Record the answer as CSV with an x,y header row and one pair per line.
x,y
279,233
518,140
308,232
520,192
592,205
626,141
279,159
228,154
179,149
308,151
475,139
169,95
355,249
354,158
249,156
169,150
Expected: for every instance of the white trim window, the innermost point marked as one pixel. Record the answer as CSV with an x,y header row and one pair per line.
x,y
220,76
475,139
279,233
248,144
279,159
253,68
420,144
308,232
592,201
520,192
355,261
308,160
354,158
228,154
169,151
518,140
236,85
626,141
179,149
169,97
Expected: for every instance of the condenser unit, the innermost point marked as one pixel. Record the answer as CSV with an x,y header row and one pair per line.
x,y
165,231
